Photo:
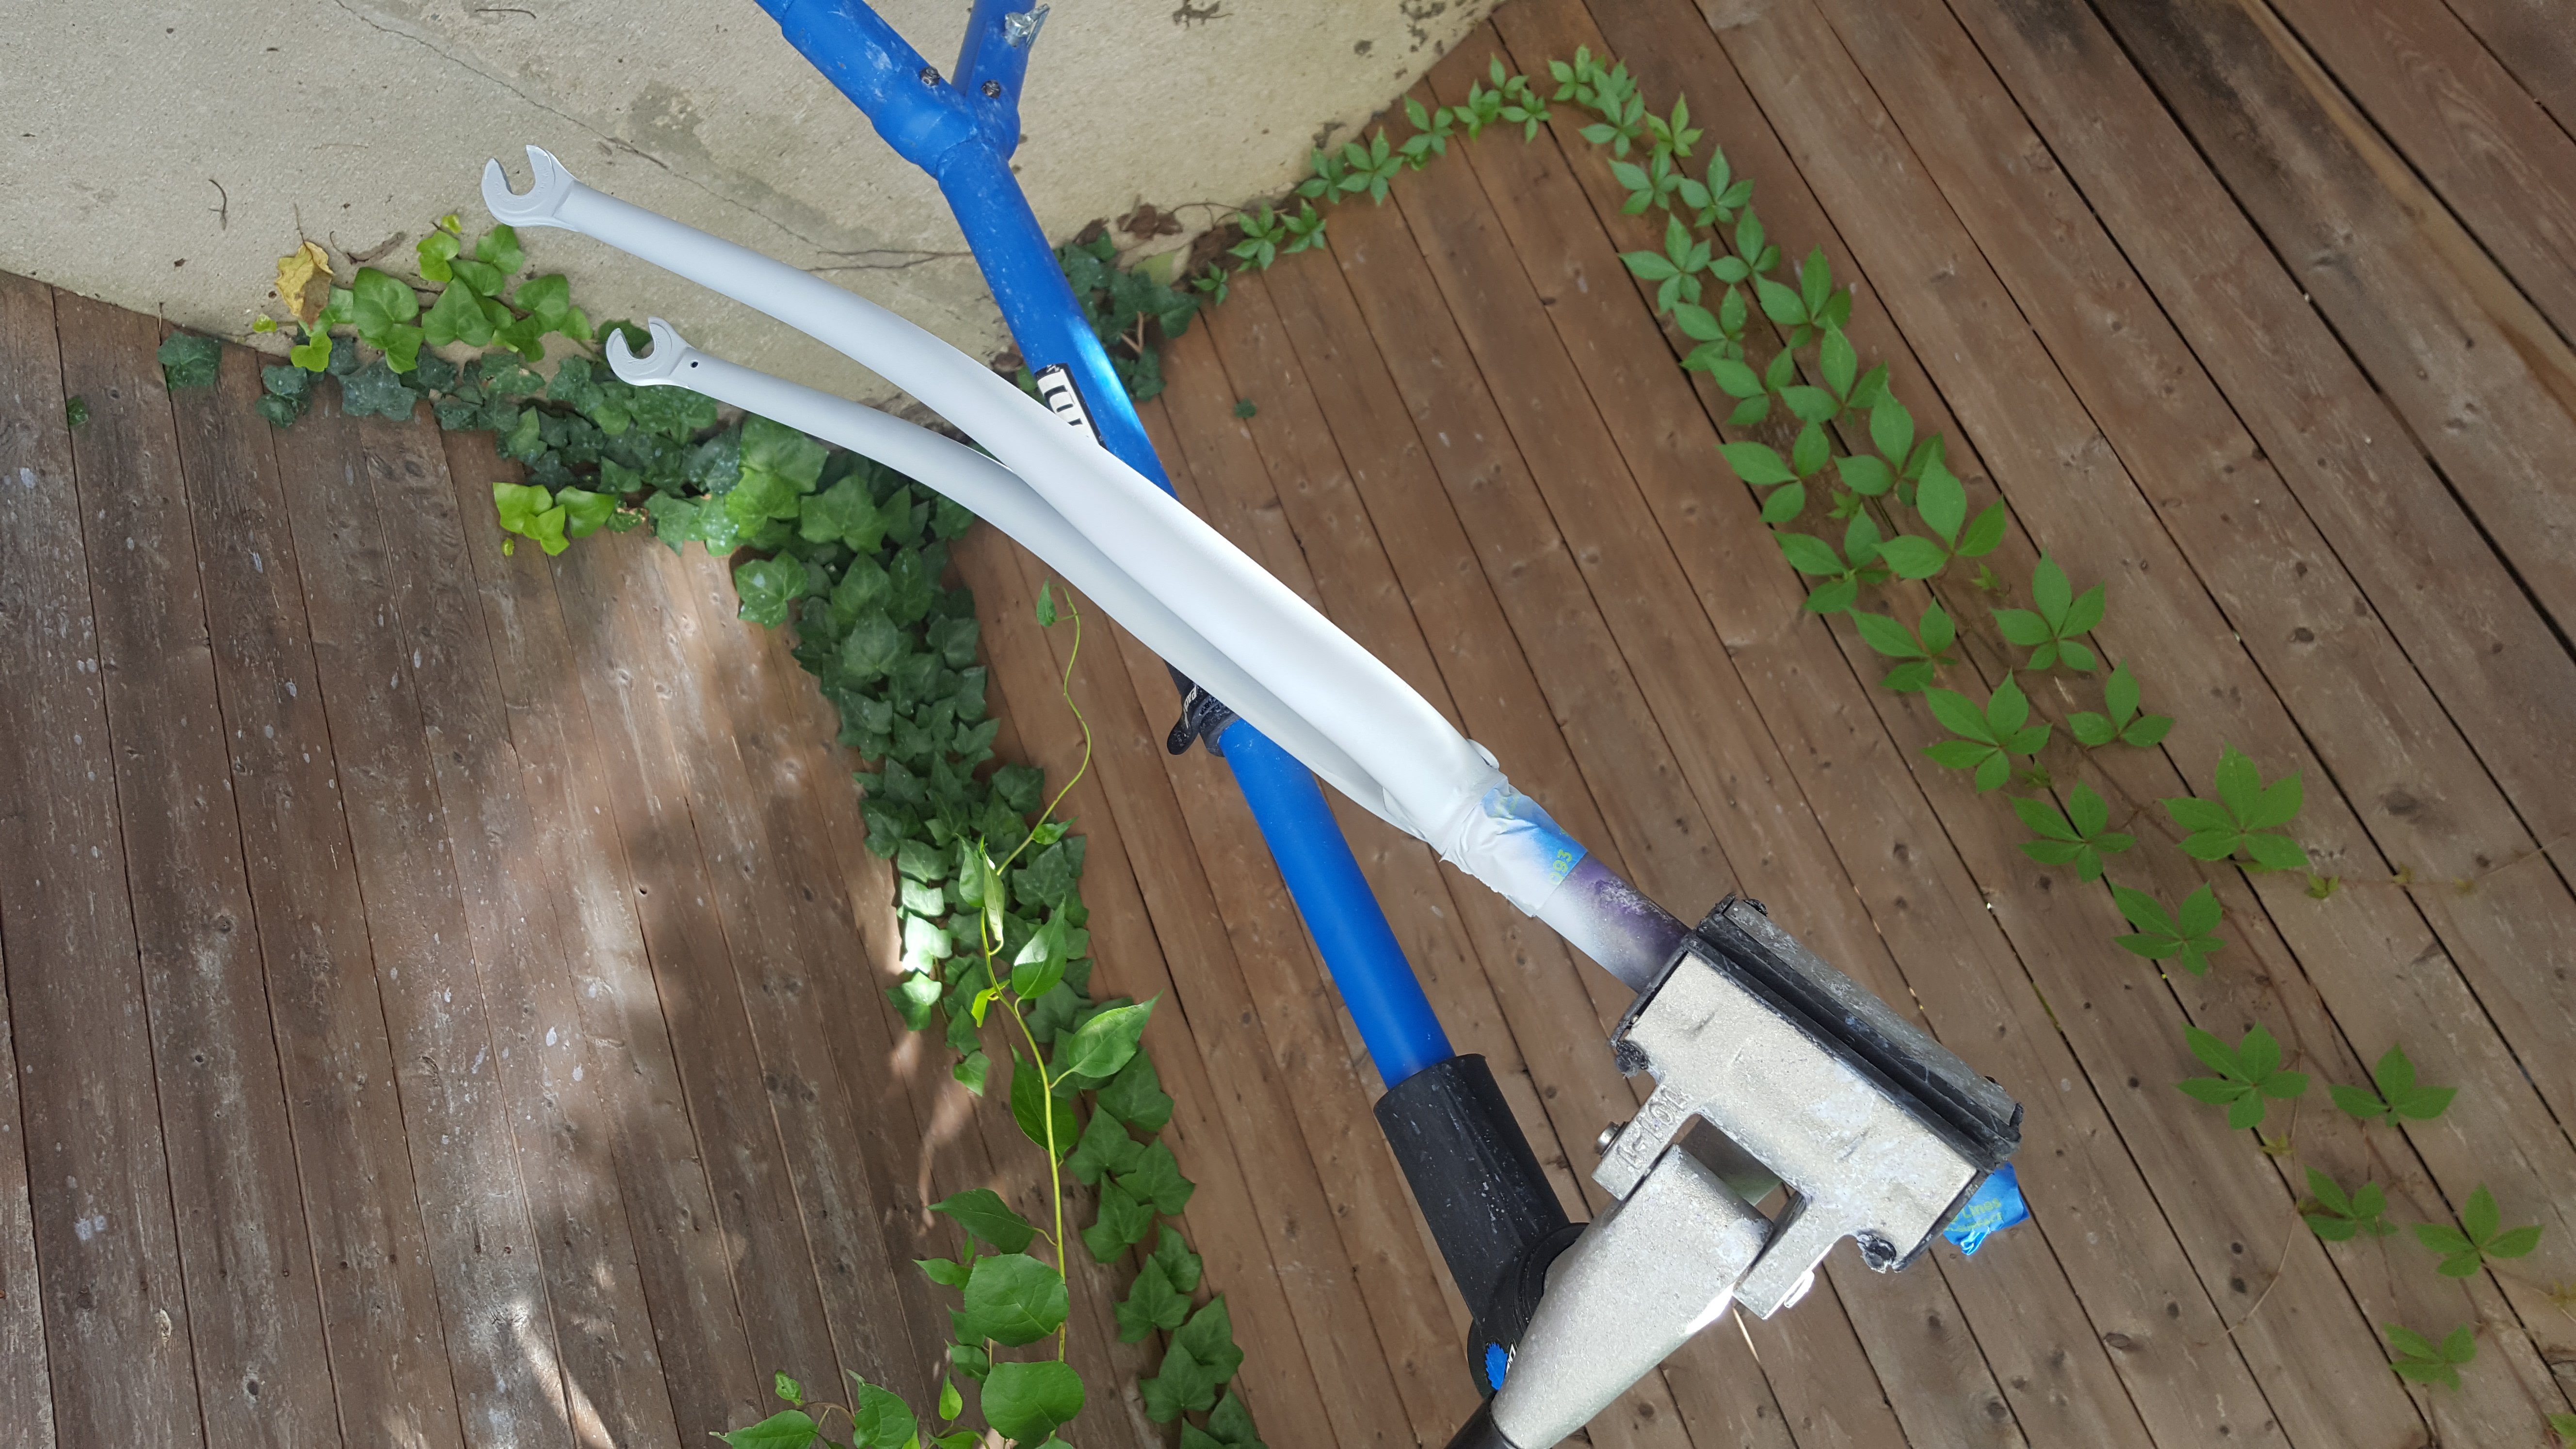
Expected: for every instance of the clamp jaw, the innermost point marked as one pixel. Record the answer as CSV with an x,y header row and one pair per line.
x,y
1878,1133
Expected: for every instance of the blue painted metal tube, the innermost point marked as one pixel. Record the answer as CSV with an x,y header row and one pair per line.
x,y
958,137
1395,1018
964,139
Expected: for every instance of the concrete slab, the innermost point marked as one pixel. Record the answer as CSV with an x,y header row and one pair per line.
x,y
161,156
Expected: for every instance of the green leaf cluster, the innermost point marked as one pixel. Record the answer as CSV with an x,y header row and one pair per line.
x,y
2123,722
2419,1360
2399,1095
2481,1236
2248,1073
2079,837
2189,936
2243,820
1987,738
2060,617
2337,1218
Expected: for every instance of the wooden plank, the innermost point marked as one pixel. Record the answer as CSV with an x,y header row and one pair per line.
x,y
2361,706
680,1253
2461,616
763,877
1445,921
1226,1222
2111,1052
2487,388
1454,411
1535,354
1395,441
448,1062
2217,1203
614,612
552,1079
1316,1276
2453,111
2530,38
256,1329
2171,633
379,1304
26,1394
99,1179
1331,1085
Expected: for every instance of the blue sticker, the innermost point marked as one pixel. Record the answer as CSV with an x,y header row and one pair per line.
x,y
1498,1362
1996,1206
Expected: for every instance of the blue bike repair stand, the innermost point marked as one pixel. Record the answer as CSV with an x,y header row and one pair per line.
x,y
962,130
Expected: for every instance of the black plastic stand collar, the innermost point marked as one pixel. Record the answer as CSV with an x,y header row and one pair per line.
x,y
1482,1193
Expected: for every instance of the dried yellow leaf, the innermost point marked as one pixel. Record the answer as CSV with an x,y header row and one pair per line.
x,y
304,281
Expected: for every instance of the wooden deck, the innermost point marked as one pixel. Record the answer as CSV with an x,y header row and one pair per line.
x,y
442,989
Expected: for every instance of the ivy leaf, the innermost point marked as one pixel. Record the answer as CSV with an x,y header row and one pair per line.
x,y
1136,1097
2247,1073
767,587
1209,1336
1152,1305
1014,1299
2420,1360
499,248
374,390
457,316
2398,1094
530,512
1179,1263
188,360
1122,1221
1105,1149
1230,1424
2191,937
585,512
1026,1401
1184,1384
1034,1107
982,1212
2339,1218
1107,1041
1156,1179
